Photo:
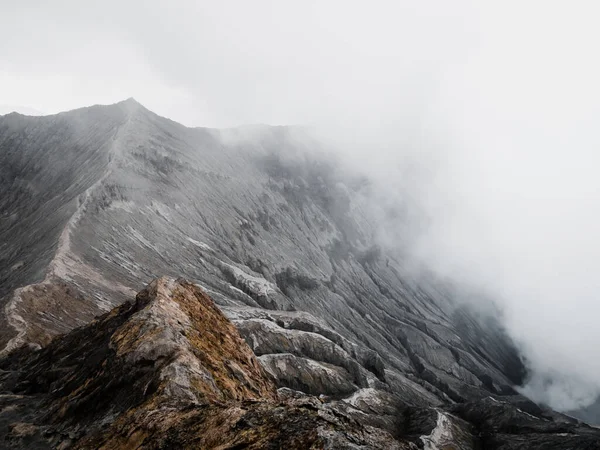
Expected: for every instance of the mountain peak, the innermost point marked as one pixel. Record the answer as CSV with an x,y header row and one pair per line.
x,y
130,105
130,102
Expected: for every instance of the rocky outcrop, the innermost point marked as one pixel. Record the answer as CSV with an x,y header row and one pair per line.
x,y
307,375
168,370
516,423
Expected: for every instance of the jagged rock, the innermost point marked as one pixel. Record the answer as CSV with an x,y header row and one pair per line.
x,y
518,424
166,371
266,337
302,321
307,375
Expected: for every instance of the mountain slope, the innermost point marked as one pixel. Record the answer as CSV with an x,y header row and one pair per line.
x,y
99,201
168,370
213,206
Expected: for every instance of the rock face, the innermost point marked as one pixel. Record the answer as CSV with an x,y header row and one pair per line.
x,y
98,202
169,370
166,371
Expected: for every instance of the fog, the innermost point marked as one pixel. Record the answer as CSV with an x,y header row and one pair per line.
x,y
485,113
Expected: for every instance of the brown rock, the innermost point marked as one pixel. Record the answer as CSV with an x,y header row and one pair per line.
x,y
167,371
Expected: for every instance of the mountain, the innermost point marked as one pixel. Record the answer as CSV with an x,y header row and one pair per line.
x,y
100,201
6,109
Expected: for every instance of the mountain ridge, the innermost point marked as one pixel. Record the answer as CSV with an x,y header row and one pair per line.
x,y
124,130
284,241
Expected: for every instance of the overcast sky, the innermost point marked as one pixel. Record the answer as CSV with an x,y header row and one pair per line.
x,y
232,62
501,99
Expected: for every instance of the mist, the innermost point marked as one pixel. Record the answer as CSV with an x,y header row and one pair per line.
x,y
484,115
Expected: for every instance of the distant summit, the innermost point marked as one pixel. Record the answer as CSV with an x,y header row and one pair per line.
x,y
26,111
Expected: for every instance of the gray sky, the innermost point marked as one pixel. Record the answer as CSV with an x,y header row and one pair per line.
x,y
499,100
230,62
